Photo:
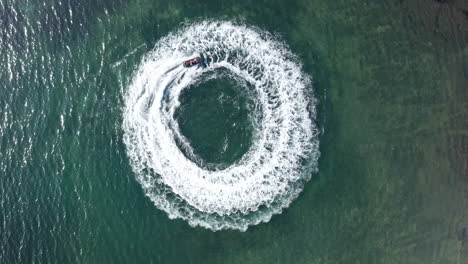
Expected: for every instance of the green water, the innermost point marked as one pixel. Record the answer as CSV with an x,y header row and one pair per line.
x,y
392,82
215,118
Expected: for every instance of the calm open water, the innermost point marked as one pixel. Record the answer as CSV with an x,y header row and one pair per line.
x,y
391,78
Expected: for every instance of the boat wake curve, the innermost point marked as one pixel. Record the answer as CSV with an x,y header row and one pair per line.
x,y
279,162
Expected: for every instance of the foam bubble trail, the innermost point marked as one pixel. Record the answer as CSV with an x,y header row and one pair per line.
x,y
284,151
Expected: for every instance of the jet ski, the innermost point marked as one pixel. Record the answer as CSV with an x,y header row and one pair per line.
x,y
193,62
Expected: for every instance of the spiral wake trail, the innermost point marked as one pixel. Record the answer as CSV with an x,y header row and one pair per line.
x,y
282,156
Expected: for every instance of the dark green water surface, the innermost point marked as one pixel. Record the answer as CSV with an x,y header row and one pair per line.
x,y
214,117
392,82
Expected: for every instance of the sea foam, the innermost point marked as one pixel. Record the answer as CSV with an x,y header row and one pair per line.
x,y
284,151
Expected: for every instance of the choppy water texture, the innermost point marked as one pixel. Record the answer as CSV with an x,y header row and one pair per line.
x,y
390,80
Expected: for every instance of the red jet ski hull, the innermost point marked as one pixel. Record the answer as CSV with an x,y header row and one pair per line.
x,y
193,62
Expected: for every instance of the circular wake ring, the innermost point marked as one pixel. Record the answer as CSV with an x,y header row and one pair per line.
x,y
284,151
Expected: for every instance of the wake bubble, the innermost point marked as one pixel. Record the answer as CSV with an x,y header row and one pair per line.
x,y
284,149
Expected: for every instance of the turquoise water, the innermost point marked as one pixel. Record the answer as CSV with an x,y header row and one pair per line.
x,y
391,186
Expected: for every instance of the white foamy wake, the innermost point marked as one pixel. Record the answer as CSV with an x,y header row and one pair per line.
x,y
284,151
